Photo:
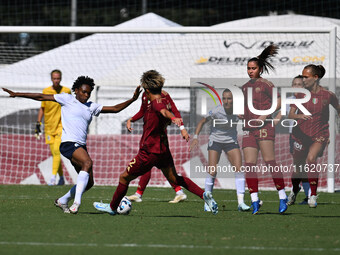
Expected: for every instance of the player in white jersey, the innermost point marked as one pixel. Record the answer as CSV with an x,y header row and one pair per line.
x,y
76,116
223,136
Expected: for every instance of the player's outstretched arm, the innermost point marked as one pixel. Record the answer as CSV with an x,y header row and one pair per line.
x,y
295,116
34,96
177,114
128,125
142,110
185,134
199,127
167,114
118,107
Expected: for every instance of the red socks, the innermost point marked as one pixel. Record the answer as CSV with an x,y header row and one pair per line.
x,y
118,195
176,187
189,185
276,175
251,178
143,182
313,178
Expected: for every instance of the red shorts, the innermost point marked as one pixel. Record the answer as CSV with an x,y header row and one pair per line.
x,y
145,161
252,137
302,142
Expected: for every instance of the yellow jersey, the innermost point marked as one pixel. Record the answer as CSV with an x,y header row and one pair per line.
x,y
52,111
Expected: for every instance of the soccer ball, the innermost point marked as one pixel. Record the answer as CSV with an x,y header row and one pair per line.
x,y
124,206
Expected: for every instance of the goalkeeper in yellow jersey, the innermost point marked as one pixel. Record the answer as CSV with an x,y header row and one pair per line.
x,y
51,111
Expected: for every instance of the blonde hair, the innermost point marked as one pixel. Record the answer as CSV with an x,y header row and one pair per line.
x,y
153,81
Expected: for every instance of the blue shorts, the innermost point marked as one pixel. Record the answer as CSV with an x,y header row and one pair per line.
x,y
215,146
67,148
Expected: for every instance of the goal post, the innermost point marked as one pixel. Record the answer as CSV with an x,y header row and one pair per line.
x,y
116,63
332,115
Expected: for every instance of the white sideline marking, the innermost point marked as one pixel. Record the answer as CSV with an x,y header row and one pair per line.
x,y
169,246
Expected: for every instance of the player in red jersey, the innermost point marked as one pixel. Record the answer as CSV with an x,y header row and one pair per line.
x,y
311,134
154,148
296,83
145,178
259,131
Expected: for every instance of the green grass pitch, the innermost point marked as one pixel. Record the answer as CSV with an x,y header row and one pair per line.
x,y
31,224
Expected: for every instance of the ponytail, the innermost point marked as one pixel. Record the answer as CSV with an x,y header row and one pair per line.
x,y
262,59
318,70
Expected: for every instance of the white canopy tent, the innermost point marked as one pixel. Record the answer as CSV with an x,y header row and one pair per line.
x,y
119,59
97,56
225,55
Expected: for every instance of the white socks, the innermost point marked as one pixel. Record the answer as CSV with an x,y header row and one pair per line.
x,y
68,196
240,198
282,194
239,181
180,192
240,186
82,180
209,183
53,179
254,196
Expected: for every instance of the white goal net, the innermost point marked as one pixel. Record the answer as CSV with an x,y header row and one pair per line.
x,y
116,59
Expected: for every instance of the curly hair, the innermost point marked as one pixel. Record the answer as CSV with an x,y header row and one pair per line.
x,y
153,81
83,80
262,59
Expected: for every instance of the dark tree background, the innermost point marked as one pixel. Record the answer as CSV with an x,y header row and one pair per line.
x,y
110,13
184,12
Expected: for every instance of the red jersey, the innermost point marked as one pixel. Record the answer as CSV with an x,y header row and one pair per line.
x,y
262,99
154,138
167,100
318,106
